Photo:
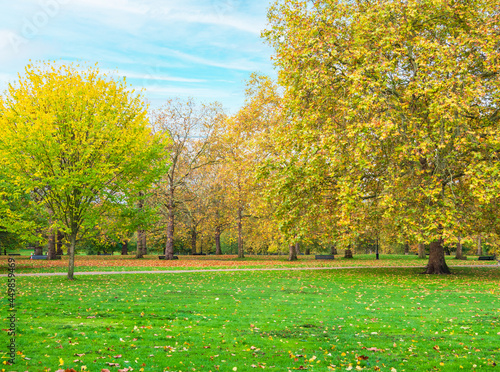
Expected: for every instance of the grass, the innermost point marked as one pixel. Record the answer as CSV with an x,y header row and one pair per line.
x,y
316,320
129,263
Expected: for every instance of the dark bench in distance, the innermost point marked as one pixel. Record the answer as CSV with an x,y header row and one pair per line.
x,y
163,257
104,254
486,258
43,257
325,257
14,254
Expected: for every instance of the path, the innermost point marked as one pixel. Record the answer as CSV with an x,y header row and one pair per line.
x,y
232,270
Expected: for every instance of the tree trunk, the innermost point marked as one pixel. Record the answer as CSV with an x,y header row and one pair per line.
x,y
308,251
333,250
297,248
139,250
479,247
218,249
71,253
459,254
407,248
421,250
38,250
60,237
51,251
348,253
193,241
125,248
240,238
144,243
437,262
169,247
292,255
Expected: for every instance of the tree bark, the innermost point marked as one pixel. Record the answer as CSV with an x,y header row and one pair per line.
x,y
193,241
437,262
169,247
459,254
144,243
51,251
421,250
218,249
38,250
139,250
292,255
407,248
71,253
333,250
240,233
125,248
297,248
348,253
308,251
479,246
60,237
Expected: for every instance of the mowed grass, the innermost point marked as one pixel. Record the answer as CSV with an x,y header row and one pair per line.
x,y
152,263
352,319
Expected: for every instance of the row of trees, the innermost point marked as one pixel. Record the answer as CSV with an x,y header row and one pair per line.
x,y
383,127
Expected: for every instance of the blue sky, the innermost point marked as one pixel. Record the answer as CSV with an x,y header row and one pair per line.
x,y
186,48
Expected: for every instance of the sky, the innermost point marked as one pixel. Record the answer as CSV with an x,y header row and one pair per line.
x,y
205,50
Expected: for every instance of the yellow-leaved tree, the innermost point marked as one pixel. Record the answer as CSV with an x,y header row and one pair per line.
x,y
78,140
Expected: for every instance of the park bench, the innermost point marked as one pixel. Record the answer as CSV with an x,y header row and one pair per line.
x,y
486,258
324,257
199,254
43,257
14,254
104,254
163,257
38,257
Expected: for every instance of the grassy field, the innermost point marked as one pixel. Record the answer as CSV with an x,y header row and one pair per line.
x,y
129,263
352,319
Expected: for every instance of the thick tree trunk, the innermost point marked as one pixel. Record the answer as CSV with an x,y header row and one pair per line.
x,y
308,251
193,241
437,262
333,250
169,247
292,255
407,248
140,241
240,233
71,253
459,254
60,237
297,248
38,250
51,251
144,243
125,248
348,253
218,249
421,250
479,246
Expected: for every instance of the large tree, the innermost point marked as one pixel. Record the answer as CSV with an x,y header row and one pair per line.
x,y
192,128
398,97
78,140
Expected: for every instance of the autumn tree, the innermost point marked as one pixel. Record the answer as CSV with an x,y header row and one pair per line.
x,y
401,94
78,140
192,128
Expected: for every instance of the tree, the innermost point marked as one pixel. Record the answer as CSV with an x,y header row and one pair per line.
x,y
192,129
78,140
401,94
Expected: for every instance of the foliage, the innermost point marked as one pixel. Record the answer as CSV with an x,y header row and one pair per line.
x,y
77,141
393,109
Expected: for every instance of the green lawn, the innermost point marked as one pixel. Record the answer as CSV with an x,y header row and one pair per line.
x,y
315,320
